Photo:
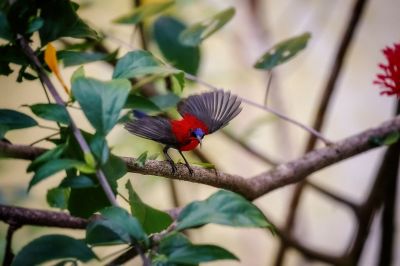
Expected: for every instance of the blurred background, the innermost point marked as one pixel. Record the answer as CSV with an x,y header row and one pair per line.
x,y
227,60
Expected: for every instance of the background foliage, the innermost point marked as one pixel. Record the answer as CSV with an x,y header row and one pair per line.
x,y
215,58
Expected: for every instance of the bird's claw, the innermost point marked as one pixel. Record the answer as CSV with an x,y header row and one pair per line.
x,y
173,167
190,170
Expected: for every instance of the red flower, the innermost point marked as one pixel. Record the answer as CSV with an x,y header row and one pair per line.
x,y
389,80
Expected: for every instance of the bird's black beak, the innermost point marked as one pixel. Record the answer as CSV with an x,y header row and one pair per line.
x,y
199,139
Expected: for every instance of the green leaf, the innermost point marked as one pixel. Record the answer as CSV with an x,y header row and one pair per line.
x,y
165,101
115,226
51,247
5,30
99,147
282,52
58,197
194,35
5,69
51,111
176,248
391,138
73,58
388,140
11,53
61,20
83,202
52,167
90,162
137,63
114,169
223,207
153,156
144,11
10,119
141,160
35,25
23,74
141,103
101,101
178,82
20,14
80,181
166,34
49,155
204,165
78,73
152,220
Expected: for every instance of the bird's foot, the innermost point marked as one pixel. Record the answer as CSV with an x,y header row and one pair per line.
x,y
173,167
190,170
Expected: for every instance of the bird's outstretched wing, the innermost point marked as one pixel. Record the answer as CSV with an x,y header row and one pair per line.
x,y
152,127
215,109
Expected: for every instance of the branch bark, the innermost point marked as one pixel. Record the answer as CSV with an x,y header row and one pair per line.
x,y
253,187
24,216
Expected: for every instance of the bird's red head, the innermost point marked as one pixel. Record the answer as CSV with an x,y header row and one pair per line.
x,y
188,131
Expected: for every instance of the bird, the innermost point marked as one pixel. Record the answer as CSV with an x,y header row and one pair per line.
x,y
202,114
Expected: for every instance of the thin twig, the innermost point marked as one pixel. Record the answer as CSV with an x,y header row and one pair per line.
x,y
44,138
247,148
269,74
45,92
8,253
143,39
124,257
115,253
265,108
333,196
47,127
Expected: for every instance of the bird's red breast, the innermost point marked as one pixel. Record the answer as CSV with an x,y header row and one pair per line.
x,y
183,128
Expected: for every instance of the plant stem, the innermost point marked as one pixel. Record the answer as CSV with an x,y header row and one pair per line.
x,y
44,138
75,130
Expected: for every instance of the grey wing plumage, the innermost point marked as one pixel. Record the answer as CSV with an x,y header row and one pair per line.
x,y
152,127
215,109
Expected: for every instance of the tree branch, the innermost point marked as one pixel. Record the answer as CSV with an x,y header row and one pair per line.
x,y
24,216
8,254
254,187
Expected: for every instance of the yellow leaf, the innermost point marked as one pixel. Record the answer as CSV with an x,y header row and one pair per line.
x,y
50,57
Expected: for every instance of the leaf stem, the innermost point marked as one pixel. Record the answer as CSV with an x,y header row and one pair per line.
x,y
75,130
47,127
44,138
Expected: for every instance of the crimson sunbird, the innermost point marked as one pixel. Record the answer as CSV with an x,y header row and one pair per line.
x,y
201,114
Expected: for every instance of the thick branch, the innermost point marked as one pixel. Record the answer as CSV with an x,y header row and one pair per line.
x,y
251,188
24,216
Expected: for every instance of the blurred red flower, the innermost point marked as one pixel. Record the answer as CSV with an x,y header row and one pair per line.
x,y
389,80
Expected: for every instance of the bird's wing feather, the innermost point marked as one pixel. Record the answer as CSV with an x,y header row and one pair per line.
x,y
215,109
152,127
